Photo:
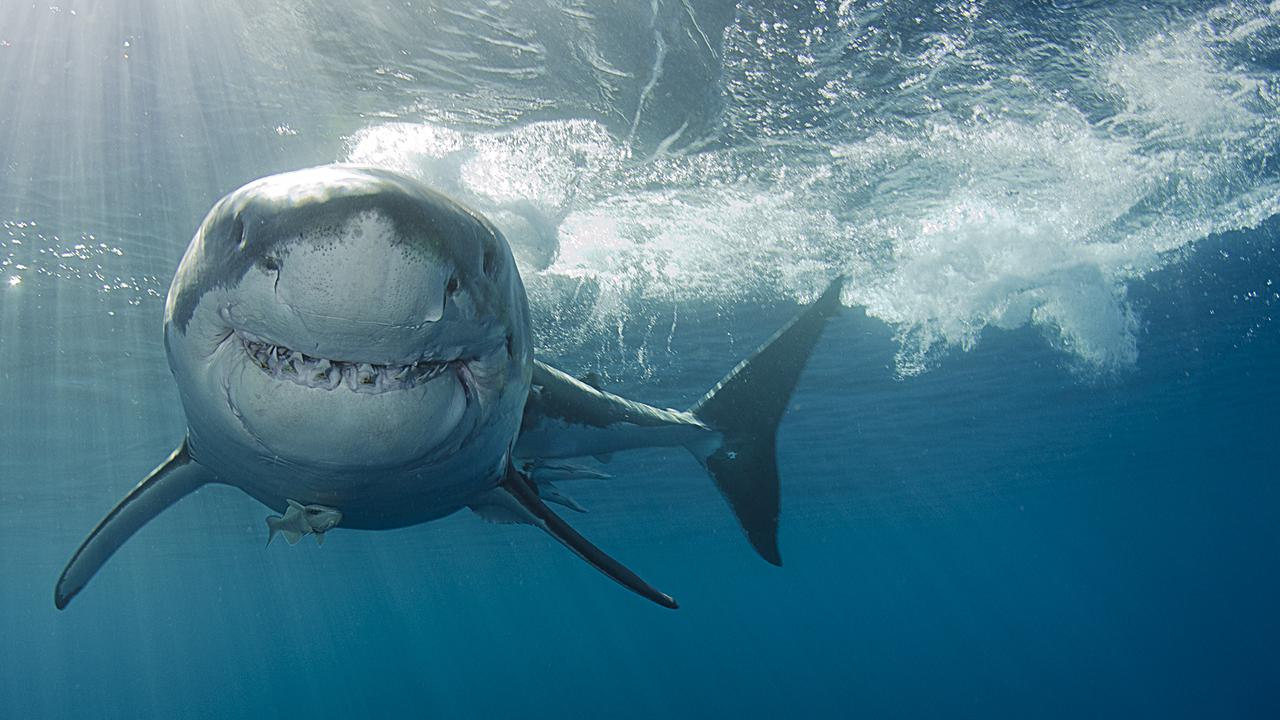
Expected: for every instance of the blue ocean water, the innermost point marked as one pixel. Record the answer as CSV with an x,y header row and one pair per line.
x,y
1029,472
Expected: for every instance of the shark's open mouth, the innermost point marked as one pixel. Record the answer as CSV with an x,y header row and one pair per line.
x,y
283,363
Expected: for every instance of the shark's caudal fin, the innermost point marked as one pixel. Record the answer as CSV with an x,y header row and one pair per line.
x,y
516,500
745,408
167,484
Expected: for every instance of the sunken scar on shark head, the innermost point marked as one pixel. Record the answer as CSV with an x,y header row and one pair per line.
x,y
301,520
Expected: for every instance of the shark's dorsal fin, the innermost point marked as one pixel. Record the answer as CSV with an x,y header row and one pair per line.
x,y
174,479
516,500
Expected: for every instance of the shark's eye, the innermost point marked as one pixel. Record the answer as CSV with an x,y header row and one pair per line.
x,y
238,233
270,263
452,287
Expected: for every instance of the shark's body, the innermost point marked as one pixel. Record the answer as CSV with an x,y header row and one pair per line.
x,y
344,338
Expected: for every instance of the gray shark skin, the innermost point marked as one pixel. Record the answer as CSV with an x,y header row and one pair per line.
x,y
351,344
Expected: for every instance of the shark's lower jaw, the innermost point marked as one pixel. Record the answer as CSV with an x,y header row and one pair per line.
x,y
285,364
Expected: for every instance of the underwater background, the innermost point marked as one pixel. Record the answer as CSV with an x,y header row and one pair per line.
x,y
1031,470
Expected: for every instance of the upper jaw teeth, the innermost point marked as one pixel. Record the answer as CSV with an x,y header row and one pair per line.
x,y
285,364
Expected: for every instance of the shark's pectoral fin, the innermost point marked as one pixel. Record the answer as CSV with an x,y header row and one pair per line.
x,y
516,500
167,484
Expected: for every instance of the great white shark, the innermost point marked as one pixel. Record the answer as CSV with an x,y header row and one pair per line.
x,y
353,350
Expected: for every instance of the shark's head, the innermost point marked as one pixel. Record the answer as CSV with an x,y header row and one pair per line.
x,y
347,317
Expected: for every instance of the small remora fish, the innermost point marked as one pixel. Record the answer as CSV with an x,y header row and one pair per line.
x,y
301,520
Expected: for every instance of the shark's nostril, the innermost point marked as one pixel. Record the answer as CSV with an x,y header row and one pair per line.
x,y
238,235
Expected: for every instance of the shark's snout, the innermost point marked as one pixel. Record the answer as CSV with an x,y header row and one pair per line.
x,y
361,274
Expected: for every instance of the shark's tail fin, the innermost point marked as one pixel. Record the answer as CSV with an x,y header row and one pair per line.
x,y
745,408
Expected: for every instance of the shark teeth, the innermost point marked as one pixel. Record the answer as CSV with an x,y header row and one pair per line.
x,y
282,363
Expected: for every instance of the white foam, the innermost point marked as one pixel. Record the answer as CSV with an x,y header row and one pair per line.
x,y
1040,214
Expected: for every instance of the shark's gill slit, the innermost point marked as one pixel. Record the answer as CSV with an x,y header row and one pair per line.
x,y
283,363
466,379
